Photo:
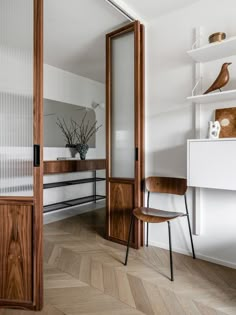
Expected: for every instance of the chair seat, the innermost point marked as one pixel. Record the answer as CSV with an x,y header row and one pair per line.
x,y
151,215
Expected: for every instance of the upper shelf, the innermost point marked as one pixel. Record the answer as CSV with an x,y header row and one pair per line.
x,y
213,97
214,51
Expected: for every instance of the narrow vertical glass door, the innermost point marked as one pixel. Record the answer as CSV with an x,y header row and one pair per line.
x,y
16,97
124,113
122,107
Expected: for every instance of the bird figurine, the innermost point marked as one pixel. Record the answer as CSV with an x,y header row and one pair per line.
x,y
221,80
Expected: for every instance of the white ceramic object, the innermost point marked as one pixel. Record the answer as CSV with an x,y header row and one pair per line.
x,y
214,129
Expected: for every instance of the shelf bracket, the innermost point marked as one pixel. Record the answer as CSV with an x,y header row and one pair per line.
x,y
198,84
197,41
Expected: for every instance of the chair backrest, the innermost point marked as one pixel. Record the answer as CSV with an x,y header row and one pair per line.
x,y
166,185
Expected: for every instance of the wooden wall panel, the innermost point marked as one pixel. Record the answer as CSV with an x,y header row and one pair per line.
x,y
121,206
16,252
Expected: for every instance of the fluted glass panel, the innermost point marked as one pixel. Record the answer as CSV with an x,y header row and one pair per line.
x,y
16,97
122,107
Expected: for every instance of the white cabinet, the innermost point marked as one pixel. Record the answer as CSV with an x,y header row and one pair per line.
x,y
212,163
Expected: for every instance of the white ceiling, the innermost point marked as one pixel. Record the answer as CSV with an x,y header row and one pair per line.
x,y
152,9
74,35
74,30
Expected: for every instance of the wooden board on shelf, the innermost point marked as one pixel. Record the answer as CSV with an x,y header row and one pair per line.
x,y
227,119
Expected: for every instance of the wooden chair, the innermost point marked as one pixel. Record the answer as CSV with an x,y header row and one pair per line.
x,y
176,186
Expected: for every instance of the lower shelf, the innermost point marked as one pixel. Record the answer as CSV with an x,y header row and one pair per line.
x,y
72,203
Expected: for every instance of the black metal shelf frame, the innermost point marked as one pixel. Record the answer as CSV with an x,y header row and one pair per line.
x,y
77,201
72,203
73,182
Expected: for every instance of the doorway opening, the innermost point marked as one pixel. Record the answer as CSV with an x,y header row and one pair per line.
x,y
74,102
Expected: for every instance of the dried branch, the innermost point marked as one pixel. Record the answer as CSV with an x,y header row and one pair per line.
x,y
85,132
68,132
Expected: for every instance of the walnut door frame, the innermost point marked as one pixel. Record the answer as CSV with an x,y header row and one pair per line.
x,y
22,287
121,184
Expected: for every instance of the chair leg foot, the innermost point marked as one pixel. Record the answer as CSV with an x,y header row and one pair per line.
x,y
147,235
129,237
189,227
170,250
191,237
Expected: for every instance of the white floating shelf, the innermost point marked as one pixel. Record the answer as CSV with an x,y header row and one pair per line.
x,y
213,97
214,51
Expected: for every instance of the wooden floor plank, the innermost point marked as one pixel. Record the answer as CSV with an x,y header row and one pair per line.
x,y
84,274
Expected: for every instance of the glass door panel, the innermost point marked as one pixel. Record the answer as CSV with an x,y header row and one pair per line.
x,y
122,107
16,97
124,123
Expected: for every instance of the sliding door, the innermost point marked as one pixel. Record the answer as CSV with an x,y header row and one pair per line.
x,y
21,154
125,126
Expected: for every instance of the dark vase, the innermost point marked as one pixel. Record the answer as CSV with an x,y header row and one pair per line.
x,y
82,148
73,149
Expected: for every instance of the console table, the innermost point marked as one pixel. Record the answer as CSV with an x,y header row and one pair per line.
x,y
71,166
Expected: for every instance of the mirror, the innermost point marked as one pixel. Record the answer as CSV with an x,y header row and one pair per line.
x,y
55,111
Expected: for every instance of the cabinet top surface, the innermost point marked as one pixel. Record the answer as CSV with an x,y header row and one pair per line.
x,y
212,140
74,160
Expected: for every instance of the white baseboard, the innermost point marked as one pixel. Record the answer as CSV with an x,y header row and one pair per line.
x,y
198,255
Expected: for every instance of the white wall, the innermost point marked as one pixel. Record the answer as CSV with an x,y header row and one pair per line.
x,y
169,82
66,87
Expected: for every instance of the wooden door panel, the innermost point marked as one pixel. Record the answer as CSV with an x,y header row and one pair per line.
x,y
125,131
121,206
16,264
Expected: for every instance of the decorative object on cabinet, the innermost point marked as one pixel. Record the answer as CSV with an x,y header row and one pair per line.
x,y
73,149
214,130
77,135
227,119
221,80
82,148
217,37
83,133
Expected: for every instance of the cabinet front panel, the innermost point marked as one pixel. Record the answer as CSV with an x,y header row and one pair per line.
x,y
121,206
211,164
16,253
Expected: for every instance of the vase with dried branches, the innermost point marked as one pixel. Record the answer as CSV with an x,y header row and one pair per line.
x,y
69,134
78,135
83,133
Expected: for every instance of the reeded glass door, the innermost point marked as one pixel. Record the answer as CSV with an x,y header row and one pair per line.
x,y
21,153
124,130
16,97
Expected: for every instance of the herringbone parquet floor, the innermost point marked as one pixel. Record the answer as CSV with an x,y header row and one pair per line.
x,y
84,274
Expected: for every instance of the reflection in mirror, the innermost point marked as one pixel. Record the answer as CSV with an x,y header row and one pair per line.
x,y
55,111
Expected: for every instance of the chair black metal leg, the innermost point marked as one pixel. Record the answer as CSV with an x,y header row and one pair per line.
x,y
170,248
130,232
147,236
189,227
